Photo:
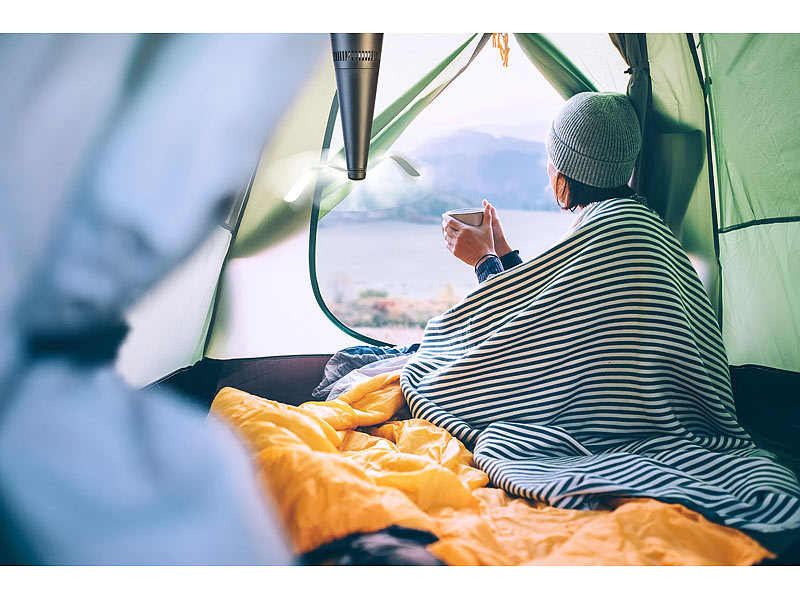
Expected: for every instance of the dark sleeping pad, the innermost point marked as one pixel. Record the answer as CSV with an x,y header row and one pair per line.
x,y
785,544
393,546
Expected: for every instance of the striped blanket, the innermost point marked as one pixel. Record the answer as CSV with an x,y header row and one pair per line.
x,y
596,370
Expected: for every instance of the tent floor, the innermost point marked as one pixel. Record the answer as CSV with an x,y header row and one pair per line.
x,y
766,402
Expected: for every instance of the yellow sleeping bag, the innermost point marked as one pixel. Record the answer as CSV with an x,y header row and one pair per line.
x,y
338,467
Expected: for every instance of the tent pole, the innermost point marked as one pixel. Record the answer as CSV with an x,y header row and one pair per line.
x,y
312,237
711,171
232,225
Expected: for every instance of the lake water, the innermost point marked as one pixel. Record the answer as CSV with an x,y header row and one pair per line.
x,y
411,258
409,261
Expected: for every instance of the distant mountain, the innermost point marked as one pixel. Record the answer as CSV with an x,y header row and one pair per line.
x,y
474,142
461,169
509,172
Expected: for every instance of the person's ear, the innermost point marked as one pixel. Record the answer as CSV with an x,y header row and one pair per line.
x,y
561,191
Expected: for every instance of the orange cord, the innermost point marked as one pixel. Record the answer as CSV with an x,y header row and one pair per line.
x,y
500,41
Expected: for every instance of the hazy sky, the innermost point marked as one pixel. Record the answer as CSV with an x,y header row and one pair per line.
x,y
515,100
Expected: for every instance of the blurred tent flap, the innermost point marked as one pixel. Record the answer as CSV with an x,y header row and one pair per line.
x,y
248,292
122,152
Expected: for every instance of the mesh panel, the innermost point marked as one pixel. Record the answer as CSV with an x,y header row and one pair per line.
x,y
761,307
754,84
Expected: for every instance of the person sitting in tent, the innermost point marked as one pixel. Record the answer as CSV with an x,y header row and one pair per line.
x,y
596,369
583,168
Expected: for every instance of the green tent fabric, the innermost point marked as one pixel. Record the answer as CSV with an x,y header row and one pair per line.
x,y
633,48
752,82
677,183
554,65
760,303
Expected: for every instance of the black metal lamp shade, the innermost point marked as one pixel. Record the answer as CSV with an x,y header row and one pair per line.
x,y
356,59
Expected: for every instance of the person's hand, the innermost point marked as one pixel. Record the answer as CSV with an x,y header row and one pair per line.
x,y
466,242
501,246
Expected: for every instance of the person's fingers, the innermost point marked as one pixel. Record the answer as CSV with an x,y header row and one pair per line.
x,y
454,223
495,217
487,216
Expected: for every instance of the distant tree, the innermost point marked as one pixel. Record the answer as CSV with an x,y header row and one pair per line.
x,y
373,293
448,294
338,285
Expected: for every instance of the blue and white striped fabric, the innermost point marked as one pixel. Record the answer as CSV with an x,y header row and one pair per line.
x,y
596,370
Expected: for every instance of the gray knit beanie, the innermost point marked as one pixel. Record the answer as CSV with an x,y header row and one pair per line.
x,y
595,139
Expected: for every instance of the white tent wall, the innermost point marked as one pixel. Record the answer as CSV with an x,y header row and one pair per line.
x,y
266,305
168,327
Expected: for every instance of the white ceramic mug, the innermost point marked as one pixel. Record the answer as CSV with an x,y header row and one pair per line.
x,y
468,216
